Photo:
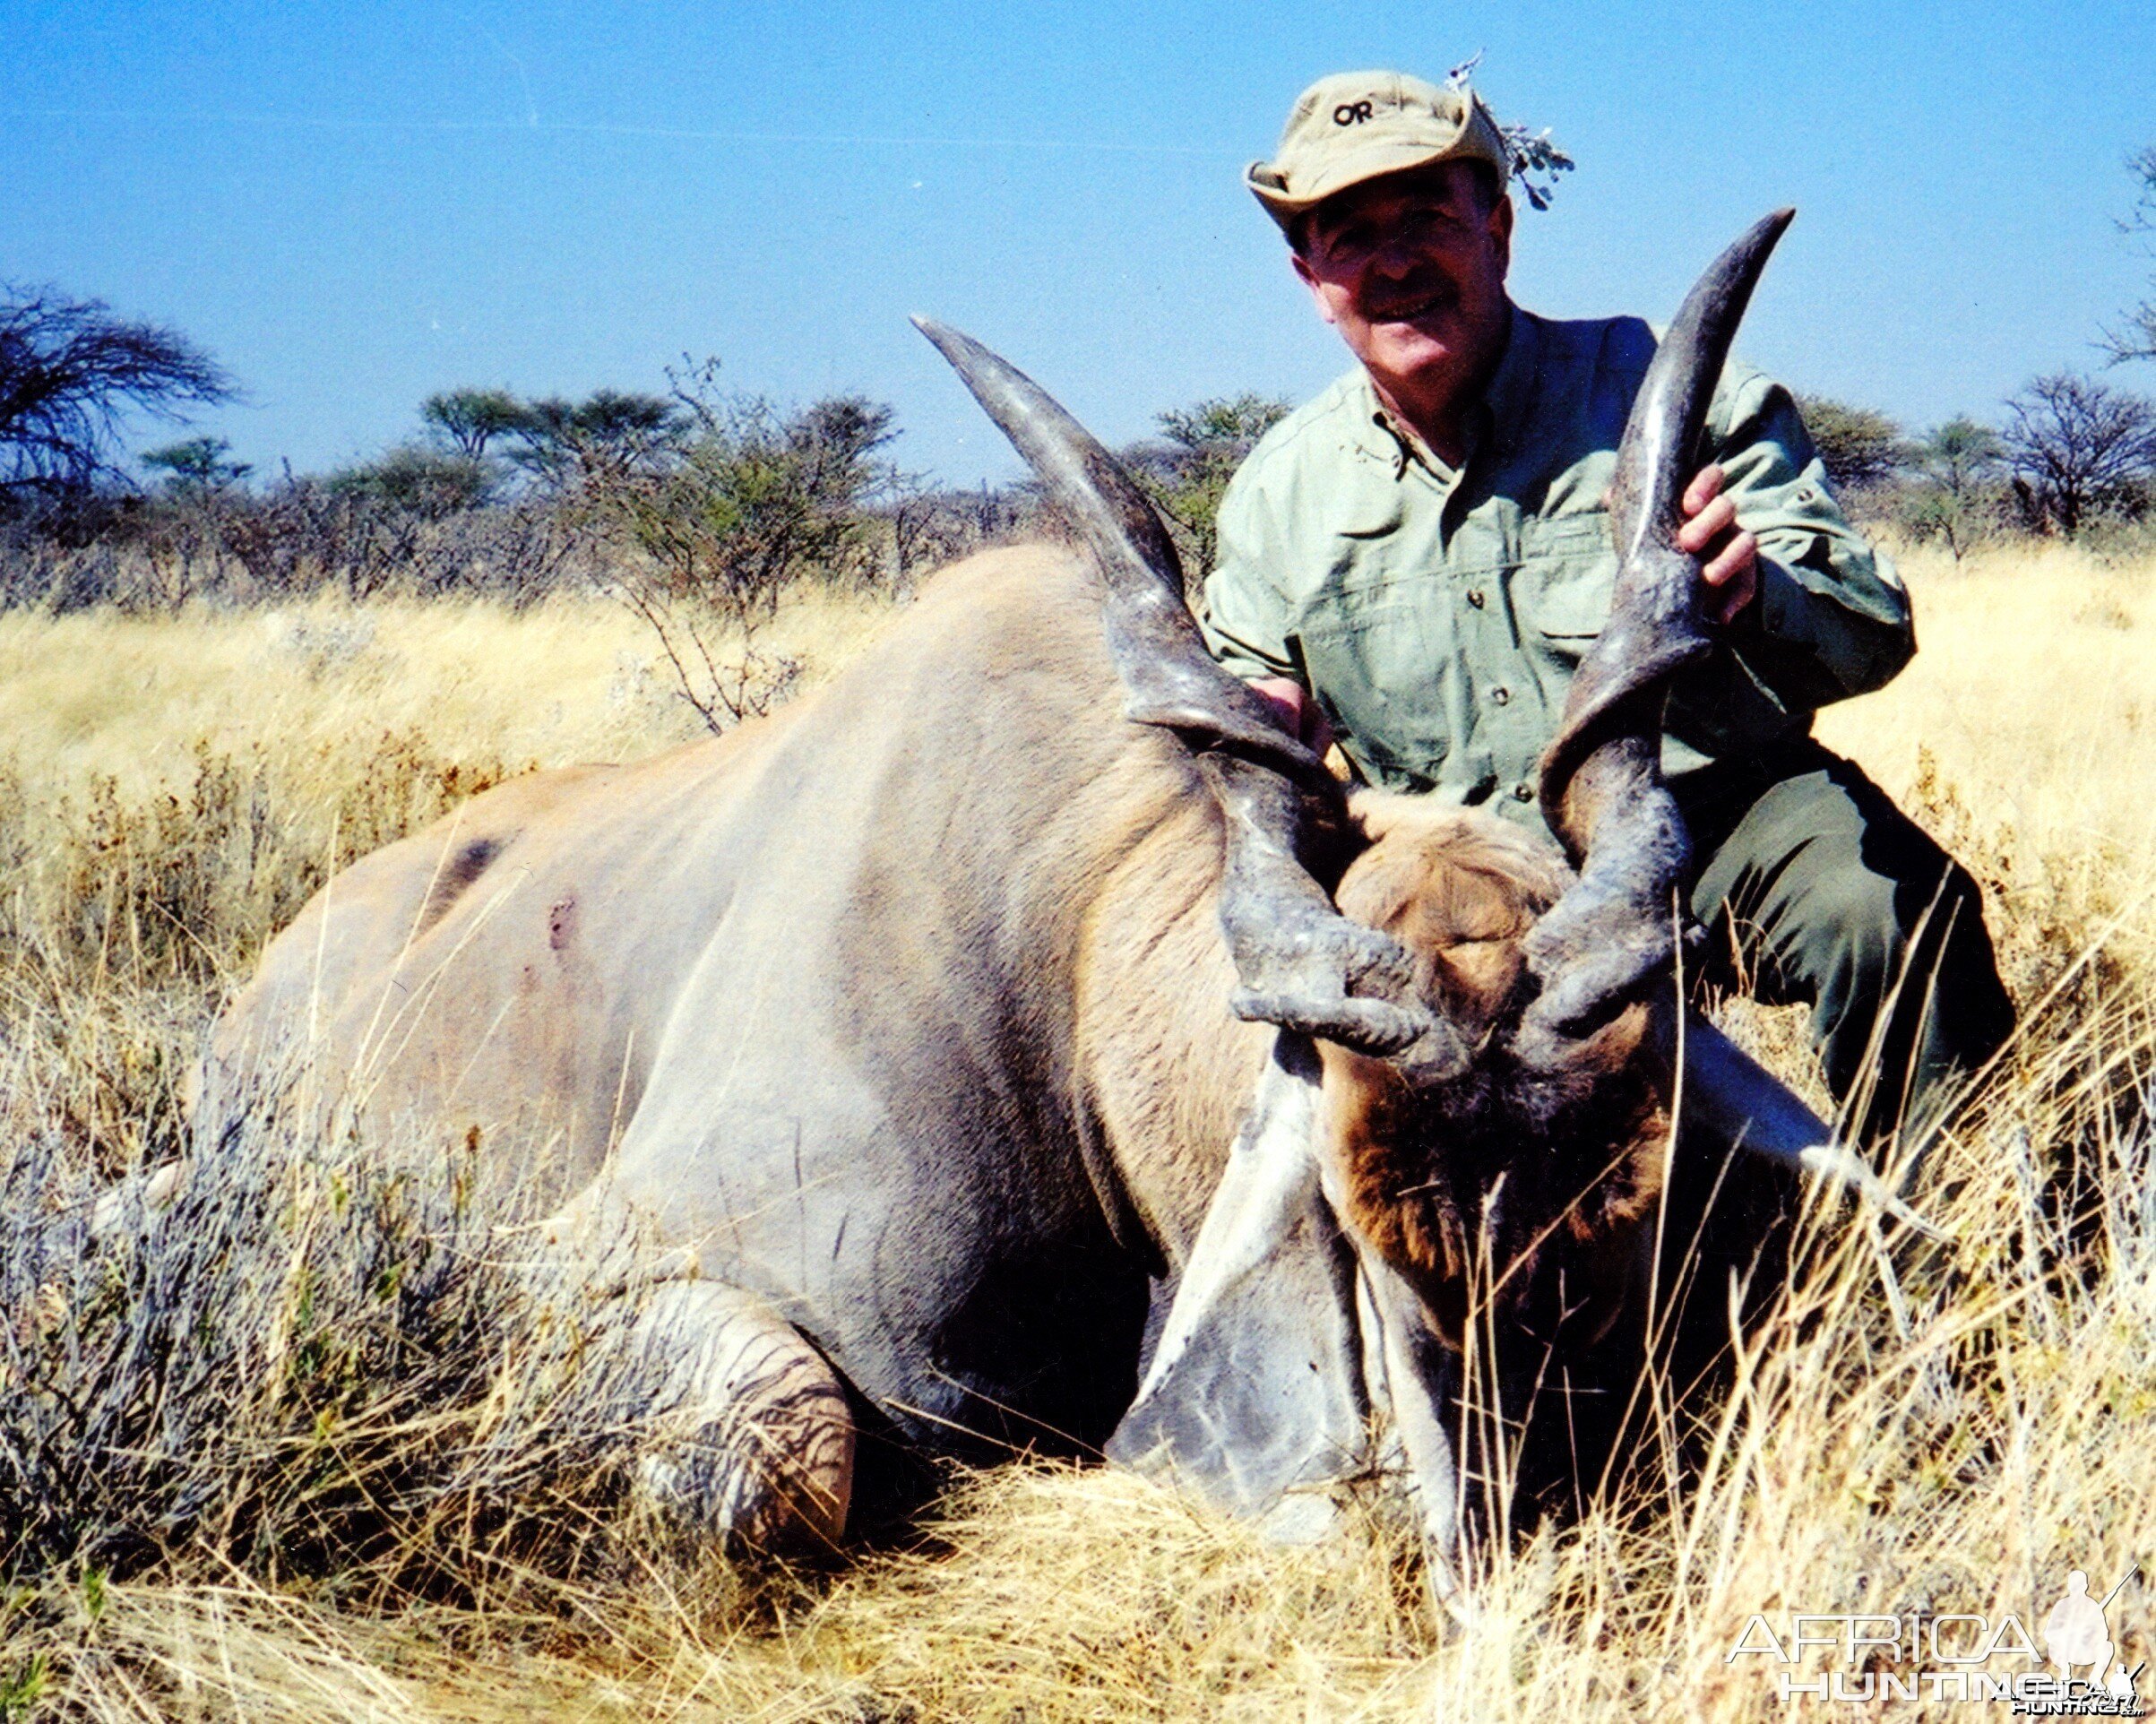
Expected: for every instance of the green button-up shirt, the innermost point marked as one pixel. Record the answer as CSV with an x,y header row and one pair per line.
x,y
1438,615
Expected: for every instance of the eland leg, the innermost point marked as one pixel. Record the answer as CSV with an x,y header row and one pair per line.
x,y
753,1442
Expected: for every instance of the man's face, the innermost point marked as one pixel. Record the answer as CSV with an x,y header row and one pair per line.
x,y
1410,269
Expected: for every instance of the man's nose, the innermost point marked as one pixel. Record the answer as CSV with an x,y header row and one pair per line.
x,y
1395,257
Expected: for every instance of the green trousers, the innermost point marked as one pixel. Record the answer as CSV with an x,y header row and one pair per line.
x,y
1814,888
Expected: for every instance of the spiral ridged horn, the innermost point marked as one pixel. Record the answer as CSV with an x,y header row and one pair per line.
x,y
1602,792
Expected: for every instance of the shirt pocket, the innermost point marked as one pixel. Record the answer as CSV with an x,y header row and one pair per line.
x,y
1378,647
1563,585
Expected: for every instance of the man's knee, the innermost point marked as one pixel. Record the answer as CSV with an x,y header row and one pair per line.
x,y
1882,931
1822,867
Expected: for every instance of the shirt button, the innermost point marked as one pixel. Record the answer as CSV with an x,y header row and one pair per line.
x,y
1523,793
1474,597
1499,696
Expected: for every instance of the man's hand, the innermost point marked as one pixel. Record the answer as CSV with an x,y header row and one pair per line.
x,y
1729,555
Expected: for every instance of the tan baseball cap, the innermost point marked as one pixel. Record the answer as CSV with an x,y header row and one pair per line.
x,y
1355,126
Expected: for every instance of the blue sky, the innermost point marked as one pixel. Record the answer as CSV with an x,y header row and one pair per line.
x,y
354,205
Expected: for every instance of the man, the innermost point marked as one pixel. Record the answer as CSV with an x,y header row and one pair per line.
x,y
1414,562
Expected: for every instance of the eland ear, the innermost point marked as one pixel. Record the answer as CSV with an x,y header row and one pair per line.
x,y
1255,1392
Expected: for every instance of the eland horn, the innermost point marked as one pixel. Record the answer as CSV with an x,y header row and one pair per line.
x,y
1169,677
1602,792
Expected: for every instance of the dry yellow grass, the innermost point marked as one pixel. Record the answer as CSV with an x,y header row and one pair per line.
x,y
2035,688
1966,1465
567,680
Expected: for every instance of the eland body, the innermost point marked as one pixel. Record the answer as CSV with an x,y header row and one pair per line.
x,y
950,1024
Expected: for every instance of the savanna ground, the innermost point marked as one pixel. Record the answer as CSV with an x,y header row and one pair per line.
x,y
296,1450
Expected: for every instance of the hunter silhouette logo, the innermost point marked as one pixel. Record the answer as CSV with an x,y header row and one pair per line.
x,y
2075,1633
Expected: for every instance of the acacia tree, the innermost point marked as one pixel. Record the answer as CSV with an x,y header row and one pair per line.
x,y
2135,338
468,420
198,467
746,500
1857,445
1187,475
2077,447
70,372
428,483
609,436
1955,497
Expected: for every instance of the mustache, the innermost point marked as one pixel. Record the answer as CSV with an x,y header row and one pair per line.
x,y
1417,297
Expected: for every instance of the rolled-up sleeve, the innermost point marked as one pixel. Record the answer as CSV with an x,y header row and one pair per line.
x,y
1832,619
1242,610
